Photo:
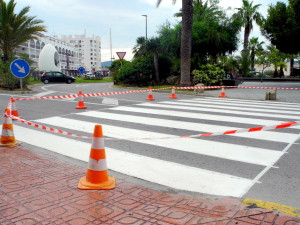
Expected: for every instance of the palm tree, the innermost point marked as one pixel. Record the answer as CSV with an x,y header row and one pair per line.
x,y
186,41
16,29
254,47
149,46
247,14
140,48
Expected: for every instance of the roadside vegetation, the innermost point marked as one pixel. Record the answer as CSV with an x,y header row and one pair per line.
x,y
201,48
214,42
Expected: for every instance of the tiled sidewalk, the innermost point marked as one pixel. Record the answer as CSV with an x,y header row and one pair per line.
x,y
41,189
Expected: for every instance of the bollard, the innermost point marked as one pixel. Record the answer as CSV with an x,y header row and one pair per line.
x,y
270,94
199,91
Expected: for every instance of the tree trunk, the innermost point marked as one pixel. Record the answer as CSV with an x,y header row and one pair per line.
x,y
252,57
156,68
246,36
291,67
186,42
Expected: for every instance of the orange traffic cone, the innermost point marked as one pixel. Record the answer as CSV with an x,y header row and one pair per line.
x,y
97,174
150,96
222,94
14,110
173,95
7,136
80,101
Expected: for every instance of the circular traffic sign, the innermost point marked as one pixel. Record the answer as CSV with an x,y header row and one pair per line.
x,y
19,68
81,70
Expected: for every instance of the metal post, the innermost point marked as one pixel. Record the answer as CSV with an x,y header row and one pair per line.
x,y
146,24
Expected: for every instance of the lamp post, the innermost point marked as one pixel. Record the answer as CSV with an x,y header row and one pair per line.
x,y
146,24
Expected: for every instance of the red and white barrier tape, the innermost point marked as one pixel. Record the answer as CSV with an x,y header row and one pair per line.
x,y
47,128
217,87
136,91
83,95
255,129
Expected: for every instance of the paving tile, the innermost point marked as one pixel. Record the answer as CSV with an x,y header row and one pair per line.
x,y
31,218
30,197
13,211
56,211
100,211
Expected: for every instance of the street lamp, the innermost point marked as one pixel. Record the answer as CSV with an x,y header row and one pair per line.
x,y
146,24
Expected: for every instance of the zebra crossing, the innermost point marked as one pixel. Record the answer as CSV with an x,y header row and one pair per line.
x,y
220,165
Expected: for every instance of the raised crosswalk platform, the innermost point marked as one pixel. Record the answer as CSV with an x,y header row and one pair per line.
x,y
220,165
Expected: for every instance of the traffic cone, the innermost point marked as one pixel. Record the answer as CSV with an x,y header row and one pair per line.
x,y
97,174
80,101
150,96
173,95
7,136
222,94
14,110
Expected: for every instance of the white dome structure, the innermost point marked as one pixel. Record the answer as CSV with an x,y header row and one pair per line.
x,y
49,59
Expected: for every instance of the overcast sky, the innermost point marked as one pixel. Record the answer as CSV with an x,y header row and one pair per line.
x,y
123,17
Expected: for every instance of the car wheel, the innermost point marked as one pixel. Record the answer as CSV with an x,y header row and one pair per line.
x,y
46,81
69,81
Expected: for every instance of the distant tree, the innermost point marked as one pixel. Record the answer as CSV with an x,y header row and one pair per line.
x,y
140,47
186,41
282,24
276,58
263,59
254,47
247,14
16,29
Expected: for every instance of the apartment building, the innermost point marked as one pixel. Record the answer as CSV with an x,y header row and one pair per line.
x,y
90,49
70,57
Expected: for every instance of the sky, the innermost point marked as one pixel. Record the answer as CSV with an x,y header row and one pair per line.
x,y
118,20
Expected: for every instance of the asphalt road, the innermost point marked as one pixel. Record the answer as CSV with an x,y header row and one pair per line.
x,y
262,165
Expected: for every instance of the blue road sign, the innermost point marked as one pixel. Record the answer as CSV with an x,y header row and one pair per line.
x,y
19,68
81,70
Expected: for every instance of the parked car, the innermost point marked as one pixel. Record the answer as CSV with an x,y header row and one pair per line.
x,y
53,76
89,75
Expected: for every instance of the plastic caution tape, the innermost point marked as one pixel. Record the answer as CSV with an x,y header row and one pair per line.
x,y
83,95
254,129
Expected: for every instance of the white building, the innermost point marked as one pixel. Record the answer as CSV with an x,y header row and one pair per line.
x,y
88,47
70,58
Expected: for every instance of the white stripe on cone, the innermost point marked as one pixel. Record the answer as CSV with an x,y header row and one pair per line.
x,y
97,165
98,143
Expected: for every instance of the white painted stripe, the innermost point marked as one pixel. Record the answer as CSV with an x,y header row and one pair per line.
x,y
201,109
204,105
110,101
199,127
240,153
166,173
98,143
97,165
239,102
43,94
204,116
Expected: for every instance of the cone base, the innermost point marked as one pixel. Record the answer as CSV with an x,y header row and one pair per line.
x,y
222,96
11,145
173,96
81,107
85,185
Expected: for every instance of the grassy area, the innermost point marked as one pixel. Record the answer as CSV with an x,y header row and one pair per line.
x,y
78,80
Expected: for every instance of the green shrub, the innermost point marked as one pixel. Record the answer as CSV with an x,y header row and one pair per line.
x,y
136,73
208,75
269,72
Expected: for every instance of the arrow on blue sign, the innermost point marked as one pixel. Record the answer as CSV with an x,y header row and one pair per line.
x,y
19,68
81,70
